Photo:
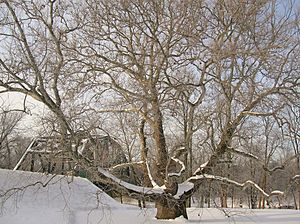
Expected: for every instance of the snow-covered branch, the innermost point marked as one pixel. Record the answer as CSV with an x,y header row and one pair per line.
x,y
295,178
187,186
123,165
154,184
84,142
179,151
131,187
244,154
258,114
202,166
181,170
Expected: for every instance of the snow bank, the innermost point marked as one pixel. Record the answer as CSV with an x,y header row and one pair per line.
x,y
33,198
26,197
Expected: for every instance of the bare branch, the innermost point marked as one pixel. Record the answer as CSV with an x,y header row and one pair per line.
x,y
285,163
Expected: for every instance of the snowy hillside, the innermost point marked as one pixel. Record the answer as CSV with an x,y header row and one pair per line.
x,y
32,198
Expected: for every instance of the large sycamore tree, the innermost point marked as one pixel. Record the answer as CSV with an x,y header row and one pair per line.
x,y
231,61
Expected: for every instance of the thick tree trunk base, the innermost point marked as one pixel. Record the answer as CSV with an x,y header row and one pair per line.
x,y
170,209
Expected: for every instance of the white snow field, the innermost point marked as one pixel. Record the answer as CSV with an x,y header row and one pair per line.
x,y
33,198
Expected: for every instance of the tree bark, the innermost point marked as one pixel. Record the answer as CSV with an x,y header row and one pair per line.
x,y
299,196
160,143
224,189
146,181
9,165
170,209
262,199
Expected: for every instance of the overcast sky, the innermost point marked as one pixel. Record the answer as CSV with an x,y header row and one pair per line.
x,y
15,101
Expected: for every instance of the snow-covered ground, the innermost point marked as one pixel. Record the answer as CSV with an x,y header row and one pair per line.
x,y
32,198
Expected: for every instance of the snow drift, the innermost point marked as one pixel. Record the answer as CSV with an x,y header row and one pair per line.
x,y
35,198
27,197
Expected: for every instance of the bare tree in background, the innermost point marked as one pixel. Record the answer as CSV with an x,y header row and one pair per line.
x,y
271,143
291,130
9,121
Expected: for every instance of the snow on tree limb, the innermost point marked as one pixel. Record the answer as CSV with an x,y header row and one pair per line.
x,y
184,187
202,166
131,187
84,142
190,183
244,154
295,178
187,186
257,114
123,165
179,151
181,170
154,184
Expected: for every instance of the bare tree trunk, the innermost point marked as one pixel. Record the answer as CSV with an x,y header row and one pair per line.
x,y
232,198
9,165
142,138
166,208
262,199
295,200
201,201
161,151
299,196
224,189
253,198
209,195
32,162
188,135
298,166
